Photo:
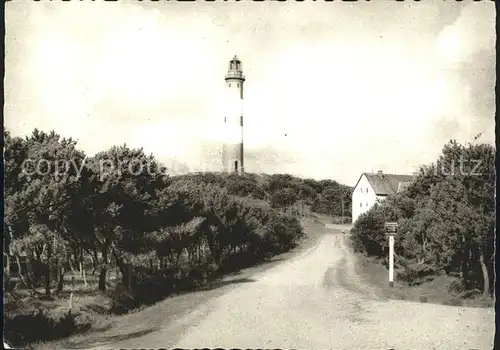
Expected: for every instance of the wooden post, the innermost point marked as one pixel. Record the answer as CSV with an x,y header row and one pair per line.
x,y
391,229
391,260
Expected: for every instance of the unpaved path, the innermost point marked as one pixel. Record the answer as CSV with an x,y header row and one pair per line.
x,y
317,301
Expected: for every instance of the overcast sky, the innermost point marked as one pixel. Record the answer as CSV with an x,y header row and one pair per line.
x,y
332,89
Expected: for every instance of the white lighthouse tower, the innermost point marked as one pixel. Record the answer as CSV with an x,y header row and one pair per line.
x,y
232,149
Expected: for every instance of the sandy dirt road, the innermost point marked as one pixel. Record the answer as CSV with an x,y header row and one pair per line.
x,y
317,301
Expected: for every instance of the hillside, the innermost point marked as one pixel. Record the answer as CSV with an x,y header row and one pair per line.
x,y
284,191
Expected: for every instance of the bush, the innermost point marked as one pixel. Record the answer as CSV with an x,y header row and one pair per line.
x,y
368,233
42,326
282,198
415,274
283,232
151,285
456,287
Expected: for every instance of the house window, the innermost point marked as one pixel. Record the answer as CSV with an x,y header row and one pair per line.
x,y
229,84
367,190
366,204
361,189
361,205
236,166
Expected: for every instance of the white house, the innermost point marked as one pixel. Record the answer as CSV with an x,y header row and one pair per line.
x,y
375,186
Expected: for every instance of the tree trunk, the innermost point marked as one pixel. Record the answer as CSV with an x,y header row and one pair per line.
x,y
102,278
171,258
47,279
47,270
486,277
218,257
94,259
80,267
125,270
104,266
129,268
20,272
29,270
7,241
71,267
465,268
6,283
7,266
81,263
38,270
82,273
76,258
60,282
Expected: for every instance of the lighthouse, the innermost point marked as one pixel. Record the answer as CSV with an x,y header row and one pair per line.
x,y
232,149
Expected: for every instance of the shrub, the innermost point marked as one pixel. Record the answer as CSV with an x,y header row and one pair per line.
x,y
368,233
42,326
282,198
282,233
456,287
415,274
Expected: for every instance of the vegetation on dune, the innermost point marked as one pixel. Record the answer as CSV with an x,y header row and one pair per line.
x,y
446,222
118,215
284,191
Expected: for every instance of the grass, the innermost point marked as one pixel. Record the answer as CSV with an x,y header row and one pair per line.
x,y
436,290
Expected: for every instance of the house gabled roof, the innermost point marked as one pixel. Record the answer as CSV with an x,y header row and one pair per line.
x,y
387,184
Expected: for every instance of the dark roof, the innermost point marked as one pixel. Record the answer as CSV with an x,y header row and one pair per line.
x,y
387,184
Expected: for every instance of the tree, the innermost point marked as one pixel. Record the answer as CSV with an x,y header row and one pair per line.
x,y
124,181
283,198
43,174
279,181
241,185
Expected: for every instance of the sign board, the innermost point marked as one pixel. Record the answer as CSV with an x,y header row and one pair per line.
x,y
391,228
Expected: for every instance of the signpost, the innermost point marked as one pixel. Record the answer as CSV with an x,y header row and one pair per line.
x,y
391,228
